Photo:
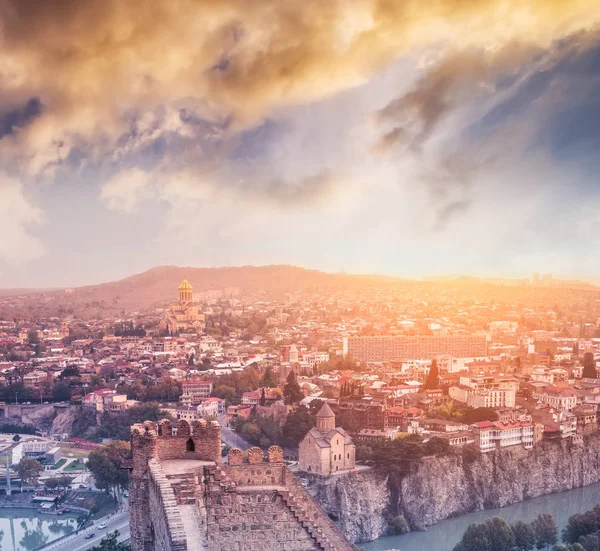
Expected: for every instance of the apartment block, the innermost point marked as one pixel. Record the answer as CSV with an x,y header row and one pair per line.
x,y
195,392
405,347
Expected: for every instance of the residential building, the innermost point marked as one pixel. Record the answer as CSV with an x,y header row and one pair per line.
x,y
493,435
194,392
486,391
565,400
388,348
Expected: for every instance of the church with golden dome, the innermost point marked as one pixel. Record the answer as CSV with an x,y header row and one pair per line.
x,y
184,315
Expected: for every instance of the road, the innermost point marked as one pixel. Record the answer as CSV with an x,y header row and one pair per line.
x,y
77,542
229,437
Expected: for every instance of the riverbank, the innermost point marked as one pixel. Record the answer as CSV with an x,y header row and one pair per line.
x,y
444,535
454,485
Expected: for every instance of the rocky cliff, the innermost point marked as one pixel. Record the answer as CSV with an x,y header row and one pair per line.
x,y
449,486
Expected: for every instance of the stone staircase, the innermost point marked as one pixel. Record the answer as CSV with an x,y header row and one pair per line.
x,y
185,488
219,476
320,527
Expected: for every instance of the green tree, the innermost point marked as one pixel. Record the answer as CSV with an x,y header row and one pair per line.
x,y
492,535
29,470
589,366
571,547
590,542
437,446
61,392
297,424
32,337
110,543
105,463
524,536
292,391
249,380
263,399
433,378
476,415
225,392
51,483
269,378
582,524
91,505
545,530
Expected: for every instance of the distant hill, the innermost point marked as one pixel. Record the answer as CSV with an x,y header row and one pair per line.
x,y
158,286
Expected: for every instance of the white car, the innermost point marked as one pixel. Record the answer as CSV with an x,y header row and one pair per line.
x,y
102,526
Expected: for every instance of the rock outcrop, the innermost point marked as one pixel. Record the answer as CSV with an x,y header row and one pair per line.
x,y
453,485
358,502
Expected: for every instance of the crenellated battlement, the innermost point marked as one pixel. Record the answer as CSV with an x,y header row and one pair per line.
x,y
255,456
199,440
254,502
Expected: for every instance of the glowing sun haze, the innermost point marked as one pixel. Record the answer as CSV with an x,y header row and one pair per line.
x,y
393,136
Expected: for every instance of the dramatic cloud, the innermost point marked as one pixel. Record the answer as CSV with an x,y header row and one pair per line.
x,y
333,125
93,64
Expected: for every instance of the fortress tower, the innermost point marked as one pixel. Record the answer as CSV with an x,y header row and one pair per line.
x,y
183,499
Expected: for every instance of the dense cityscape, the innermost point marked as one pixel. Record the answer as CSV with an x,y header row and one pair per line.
x,y
375,378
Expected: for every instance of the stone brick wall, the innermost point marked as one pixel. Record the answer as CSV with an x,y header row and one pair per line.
x,y
255,504
195,440
255,520
166,526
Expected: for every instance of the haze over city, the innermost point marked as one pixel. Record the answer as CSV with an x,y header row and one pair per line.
x,y
400,138
299,275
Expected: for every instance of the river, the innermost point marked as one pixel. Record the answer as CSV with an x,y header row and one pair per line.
x,y
444,535
25,529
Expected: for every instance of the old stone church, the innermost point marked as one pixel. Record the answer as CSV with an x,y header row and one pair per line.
x,y
326,449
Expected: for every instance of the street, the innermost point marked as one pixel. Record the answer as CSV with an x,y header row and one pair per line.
x,y
77,542
229,437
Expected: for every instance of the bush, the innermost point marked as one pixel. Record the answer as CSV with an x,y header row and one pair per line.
x,y
397,526
470,453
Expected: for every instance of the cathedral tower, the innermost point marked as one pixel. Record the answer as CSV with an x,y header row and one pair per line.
x,y
185,291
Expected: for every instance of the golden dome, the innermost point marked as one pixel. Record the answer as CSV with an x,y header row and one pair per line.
x,y
185,285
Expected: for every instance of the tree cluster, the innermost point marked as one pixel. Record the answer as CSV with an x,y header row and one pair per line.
x,y
584,529
110,543
29,470
495,534
292,391
127,329
106,464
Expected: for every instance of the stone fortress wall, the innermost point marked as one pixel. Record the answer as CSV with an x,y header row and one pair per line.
x,y
183,499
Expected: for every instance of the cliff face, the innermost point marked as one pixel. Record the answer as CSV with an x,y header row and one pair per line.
x,y
356,501
450,486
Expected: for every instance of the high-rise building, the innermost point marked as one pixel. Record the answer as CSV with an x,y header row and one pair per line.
x,y
407,347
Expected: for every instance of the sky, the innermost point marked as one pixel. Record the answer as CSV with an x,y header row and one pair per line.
x,y
398,137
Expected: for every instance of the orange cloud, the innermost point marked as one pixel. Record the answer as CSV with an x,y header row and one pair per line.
x,y
91,62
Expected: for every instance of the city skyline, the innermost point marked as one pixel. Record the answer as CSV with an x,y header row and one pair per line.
x,y
374,137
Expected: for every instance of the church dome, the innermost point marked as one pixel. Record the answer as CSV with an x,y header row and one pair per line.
x,y
185,285
325,412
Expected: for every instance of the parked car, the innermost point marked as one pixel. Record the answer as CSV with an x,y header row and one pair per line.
x,y
89,536
102,526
